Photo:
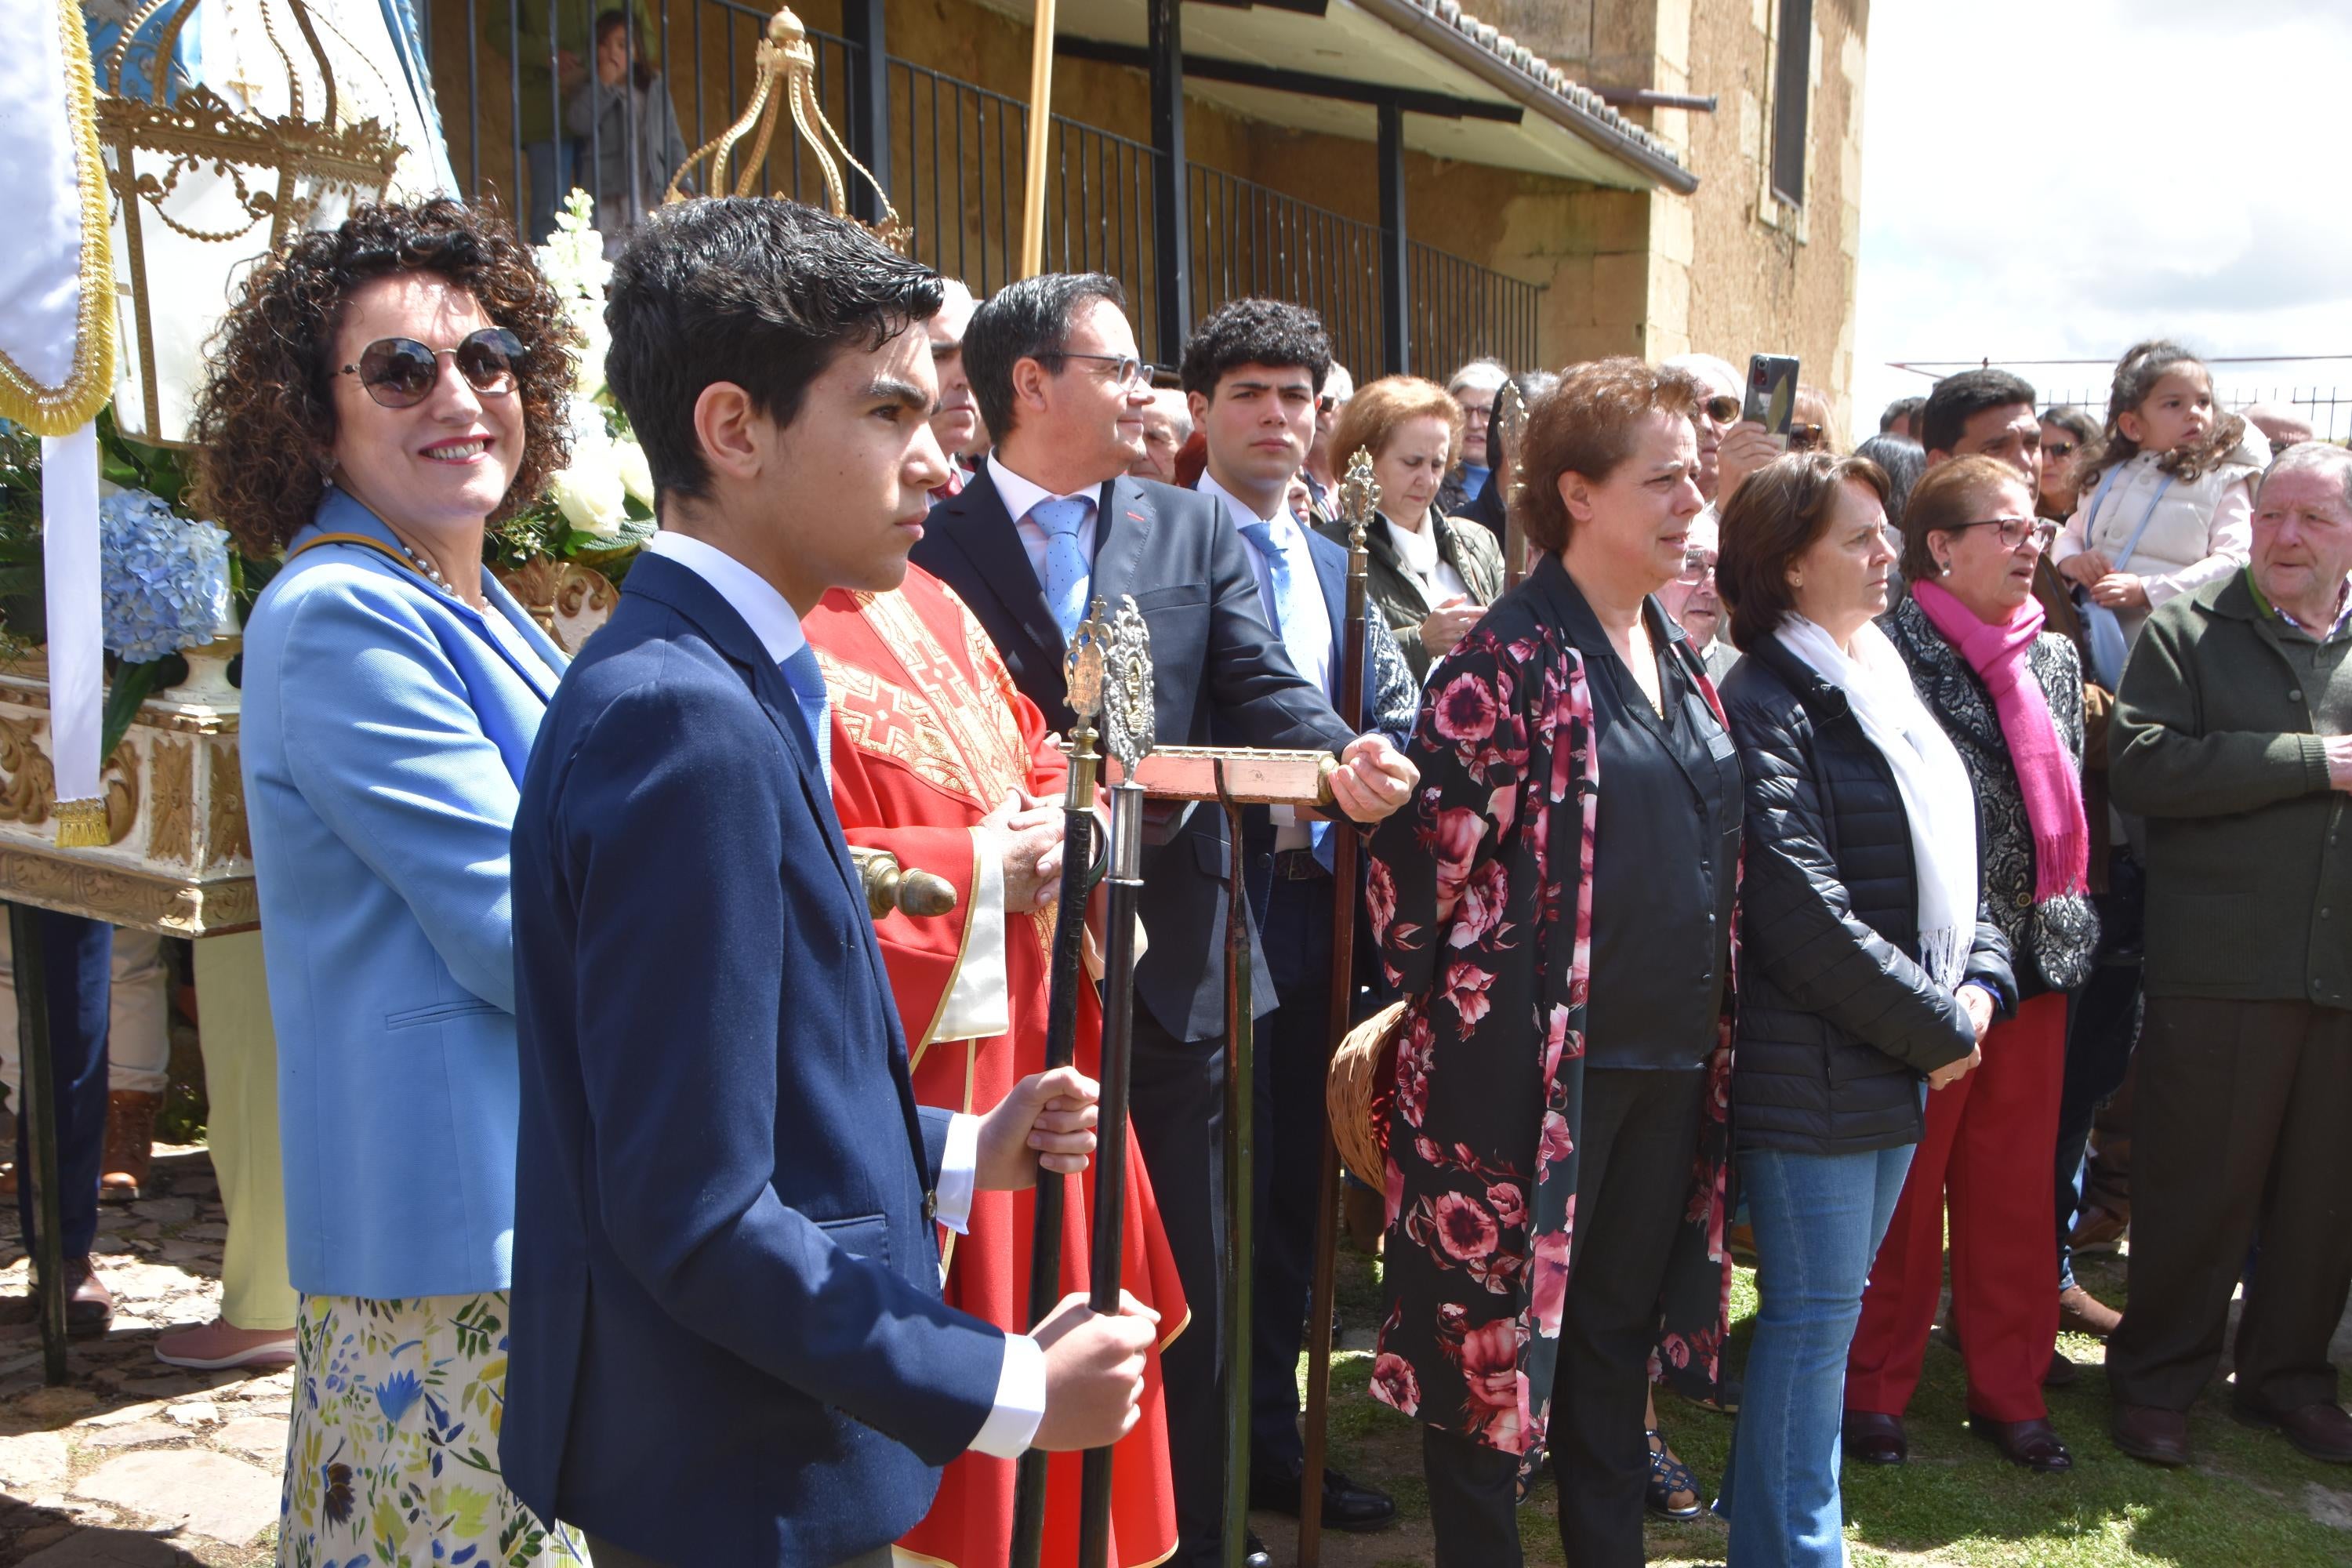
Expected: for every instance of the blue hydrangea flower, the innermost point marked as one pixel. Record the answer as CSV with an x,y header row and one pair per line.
x,y
163,579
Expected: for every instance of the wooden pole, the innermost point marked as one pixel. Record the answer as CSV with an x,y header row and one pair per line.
x,y
1359,496
1040,137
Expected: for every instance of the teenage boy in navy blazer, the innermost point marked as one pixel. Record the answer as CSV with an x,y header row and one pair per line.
x,y
1050,524
728,1341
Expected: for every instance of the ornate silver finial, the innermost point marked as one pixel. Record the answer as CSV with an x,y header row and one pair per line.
x,y
1082,666
1359,496
1511,423
1126,687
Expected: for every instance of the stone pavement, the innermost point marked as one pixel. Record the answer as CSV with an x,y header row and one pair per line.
x,y
135,1464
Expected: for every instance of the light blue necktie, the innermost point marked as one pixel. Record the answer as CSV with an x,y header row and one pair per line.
x,y
1067,570
807,681
1280,593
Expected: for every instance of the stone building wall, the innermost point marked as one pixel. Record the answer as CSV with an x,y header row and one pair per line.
x,y
1730,270
1620,271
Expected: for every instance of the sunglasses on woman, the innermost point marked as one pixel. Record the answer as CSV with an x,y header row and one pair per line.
x,y
1723,408
400,373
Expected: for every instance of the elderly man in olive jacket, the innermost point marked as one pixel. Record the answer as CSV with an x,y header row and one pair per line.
x,y
2234,737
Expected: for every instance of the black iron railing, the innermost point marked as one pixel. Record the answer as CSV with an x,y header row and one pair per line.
x,y
1248,239
955,157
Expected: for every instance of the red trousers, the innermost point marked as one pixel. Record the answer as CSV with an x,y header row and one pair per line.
x,y
1987,1154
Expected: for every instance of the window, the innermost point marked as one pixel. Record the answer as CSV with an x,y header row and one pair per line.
x,y
1791,91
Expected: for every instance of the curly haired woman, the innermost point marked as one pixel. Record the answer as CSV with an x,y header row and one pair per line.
x,y
381,393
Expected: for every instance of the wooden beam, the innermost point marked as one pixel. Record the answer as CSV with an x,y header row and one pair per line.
x,y
1273,78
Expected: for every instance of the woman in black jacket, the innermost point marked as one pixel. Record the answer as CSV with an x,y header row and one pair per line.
x,y
1868,965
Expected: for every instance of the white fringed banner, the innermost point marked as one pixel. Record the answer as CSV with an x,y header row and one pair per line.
x,y
56,361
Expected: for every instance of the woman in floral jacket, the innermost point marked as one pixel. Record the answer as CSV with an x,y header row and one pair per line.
x,y
1559,903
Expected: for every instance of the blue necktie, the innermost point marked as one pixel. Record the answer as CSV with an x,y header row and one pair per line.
x,y
1281,595
1067,570
807,681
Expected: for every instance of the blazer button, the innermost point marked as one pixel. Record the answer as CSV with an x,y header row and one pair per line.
x,y
2025,901
2296,695
930,1208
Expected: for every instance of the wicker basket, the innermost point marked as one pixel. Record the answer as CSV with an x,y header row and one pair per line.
x,y
1360,1069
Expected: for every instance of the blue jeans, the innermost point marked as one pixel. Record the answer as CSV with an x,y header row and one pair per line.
x,y
1818,1219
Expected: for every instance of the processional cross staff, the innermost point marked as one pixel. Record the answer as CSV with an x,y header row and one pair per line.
x,y
1082,667
1359,498
1510,428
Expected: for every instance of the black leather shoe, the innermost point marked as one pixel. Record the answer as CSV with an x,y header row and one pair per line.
x,y
2029,1443
1875,1438
1347,1505
2145,1432
2323,1431
2063,1373
1254,1552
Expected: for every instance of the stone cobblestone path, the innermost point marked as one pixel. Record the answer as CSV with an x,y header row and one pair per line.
x,y
133,1464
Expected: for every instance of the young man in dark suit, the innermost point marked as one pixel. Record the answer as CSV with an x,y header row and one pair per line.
x,y
1049,523
728,1341
1252,372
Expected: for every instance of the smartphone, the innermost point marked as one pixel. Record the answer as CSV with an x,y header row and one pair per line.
x,y
1771,399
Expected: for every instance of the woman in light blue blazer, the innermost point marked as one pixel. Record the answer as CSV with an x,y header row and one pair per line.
x,y
380,392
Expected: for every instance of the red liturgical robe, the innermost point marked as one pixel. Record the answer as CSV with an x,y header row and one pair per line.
x,y
929,735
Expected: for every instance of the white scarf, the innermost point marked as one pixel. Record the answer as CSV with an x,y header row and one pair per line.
x,y
1934,783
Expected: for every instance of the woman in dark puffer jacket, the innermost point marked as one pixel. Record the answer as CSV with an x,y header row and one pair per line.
x,y
1868,963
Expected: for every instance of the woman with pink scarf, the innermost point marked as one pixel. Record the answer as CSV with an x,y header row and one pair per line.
x,y
2009,696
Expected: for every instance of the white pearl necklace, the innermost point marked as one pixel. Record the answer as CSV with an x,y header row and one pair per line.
x,y
431,572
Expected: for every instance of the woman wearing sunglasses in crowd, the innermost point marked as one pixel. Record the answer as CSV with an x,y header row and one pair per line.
x,y
380,393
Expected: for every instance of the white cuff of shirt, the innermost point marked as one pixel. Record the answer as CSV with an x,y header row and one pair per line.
x,y
1020,1400
959,1172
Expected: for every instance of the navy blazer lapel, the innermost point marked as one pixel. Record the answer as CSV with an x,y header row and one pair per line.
x,y
684,591
1124,518
976,522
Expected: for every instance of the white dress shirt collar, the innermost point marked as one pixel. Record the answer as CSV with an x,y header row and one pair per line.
x,y
750,595
1239,509
1020,495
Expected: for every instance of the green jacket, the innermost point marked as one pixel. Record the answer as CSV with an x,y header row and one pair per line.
x,y
1464,545
2217,741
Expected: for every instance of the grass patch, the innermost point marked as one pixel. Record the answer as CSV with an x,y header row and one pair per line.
x,y
2250,1500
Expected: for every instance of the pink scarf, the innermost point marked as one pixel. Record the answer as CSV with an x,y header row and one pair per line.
x,y
2045,773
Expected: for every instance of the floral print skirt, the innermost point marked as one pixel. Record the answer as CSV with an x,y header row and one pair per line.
x,y
391,1457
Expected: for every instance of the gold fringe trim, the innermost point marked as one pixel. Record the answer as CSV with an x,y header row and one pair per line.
x,y
81,824
59,411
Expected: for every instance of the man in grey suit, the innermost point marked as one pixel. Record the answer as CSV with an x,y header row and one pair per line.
x,y
1049,523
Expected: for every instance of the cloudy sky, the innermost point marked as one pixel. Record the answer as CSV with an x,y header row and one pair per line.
x,y
2052,179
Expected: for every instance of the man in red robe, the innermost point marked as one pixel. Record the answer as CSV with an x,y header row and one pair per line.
x,y
937,758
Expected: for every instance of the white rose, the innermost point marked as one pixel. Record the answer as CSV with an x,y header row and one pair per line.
x,y
636,474
590,495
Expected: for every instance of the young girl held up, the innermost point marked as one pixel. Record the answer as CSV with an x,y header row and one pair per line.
x,y
2166,492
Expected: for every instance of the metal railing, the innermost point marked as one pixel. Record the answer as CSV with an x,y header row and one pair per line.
x,y
2329,408
1249,239
955,157
1459,311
